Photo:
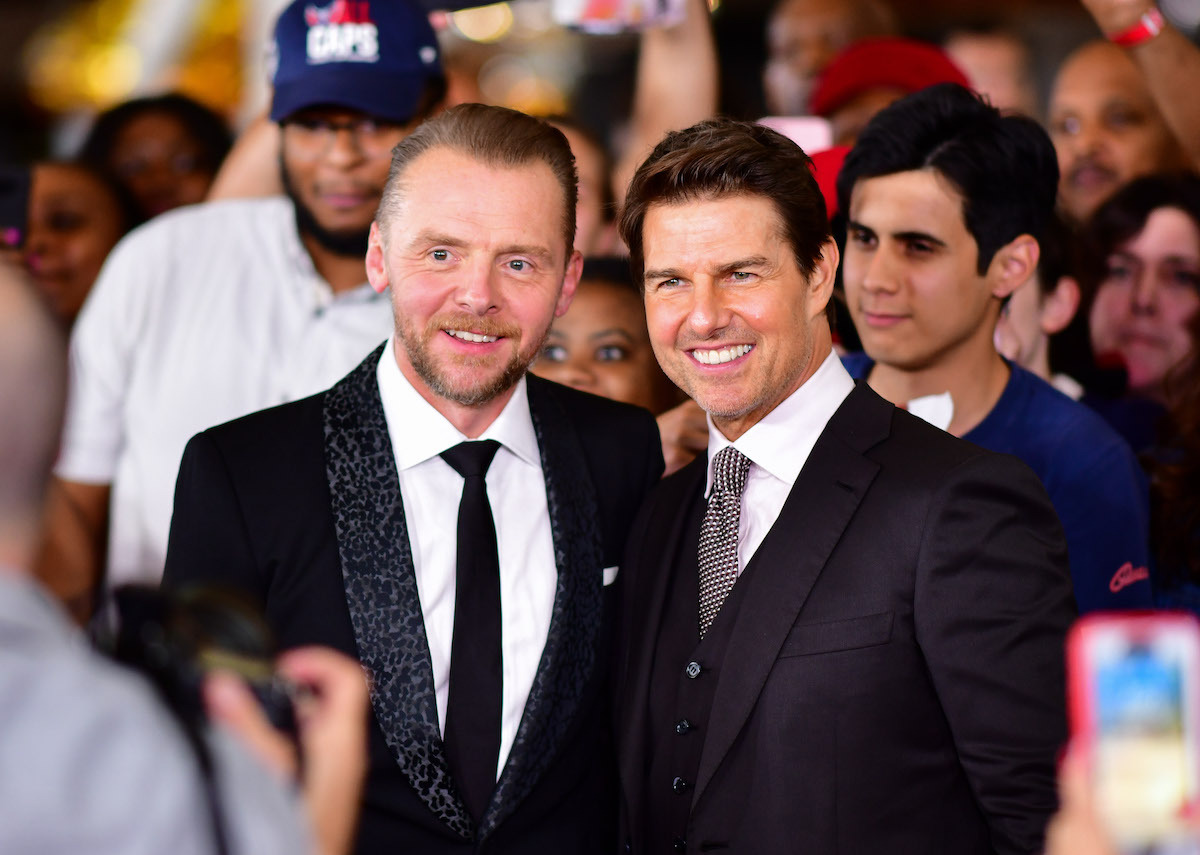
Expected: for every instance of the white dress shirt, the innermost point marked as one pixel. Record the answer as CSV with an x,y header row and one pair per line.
x,y
778,447
516,490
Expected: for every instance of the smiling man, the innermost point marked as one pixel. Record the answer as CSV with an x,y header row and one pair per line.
x,y
842,626
455,524
946,199
213,311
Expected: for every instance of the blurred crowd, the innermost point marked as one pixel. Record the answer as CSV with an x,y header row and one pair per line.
x,y
200,276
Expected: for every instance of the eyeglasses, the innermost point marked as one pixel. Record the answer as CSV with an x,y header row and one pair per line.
x,y
311,137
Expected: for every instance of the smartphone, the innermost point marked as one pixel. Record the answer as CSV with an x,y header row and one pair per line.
x,y
14,205
1134,693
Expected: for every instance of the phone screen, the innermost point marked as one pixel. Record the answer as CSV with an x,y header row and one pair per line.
x,y
1143,713
14,205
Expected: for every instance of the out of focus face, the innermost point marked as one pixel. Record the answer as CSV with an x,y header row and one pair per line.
x,y
998,67
74,221
910,272
1150,293
1105,127
803,37
601,346
161,165
593,178
477,263
335,164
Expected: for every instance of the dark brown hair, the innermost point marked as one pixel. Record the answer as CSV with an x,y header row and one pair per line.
x,y
495,136
723,157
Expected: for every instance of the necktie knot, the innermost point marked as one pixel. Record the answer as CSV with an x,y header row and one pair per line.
x,y
730,468
471,458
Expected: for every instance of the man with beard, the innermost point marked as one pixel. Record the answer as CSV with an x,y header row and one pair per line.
x,y
218,310
451,521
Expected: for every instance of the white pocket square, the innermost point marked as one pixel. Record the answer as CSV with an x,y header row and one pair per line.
x,y
610,575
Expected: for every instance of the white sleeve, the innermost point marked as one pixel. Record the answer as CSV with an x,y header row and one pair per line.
x,y
104,345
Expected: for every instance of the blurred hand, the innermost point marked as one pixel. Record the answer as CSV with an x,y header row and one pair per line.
x,y
684,431
1113,16
1075,829
332,724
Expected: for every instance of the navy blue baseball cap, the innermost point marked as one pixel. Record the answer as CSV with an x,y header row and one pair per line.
x,y
375,56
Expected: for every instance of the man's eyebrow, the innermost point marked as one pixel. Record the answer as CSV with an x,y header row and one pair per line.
x,y
425,237
855,224
924,237
742,264
664,273
540,252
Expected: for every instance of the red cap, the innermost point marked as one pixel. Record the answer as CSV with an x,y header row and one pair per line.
x,y
892,63
826,164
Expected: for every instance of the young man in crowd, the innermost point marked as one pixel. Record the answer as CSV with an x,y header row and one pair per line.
x,y
945,199
214,311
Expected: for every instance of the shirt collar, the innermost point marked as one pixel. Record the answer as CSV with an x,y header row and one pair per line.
x,y
781,441
419,432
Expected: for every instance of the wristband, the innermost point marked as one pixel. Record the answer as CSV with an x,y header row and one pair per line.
x,y
1147,27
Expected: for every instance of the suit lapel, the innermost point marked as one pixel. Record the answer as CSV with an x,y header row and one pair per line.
x,y
569,658
788,562
381,588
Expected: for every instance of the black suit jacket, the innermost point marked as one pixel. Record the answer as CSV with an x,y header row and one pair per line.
x,y
300,506
894,677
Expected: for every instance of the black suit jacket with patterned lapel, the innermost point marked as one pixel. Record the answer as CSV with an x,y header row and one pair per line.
x,y
300,506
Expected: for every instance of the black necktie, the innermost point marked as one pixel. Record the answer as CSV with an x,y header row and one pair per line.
x,y
476,680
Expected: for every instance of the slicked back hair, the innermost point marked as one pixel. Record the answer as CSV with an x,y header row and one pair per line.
x,y
495,136
1004,166
722,157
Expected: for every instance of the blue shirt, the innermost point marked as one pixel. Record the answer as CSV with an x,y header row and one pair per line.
x,y
1097,487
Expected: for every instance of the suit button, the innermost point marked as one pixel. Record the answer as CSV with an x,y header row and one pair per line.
x,y
679,785
693,670
683,726
679,844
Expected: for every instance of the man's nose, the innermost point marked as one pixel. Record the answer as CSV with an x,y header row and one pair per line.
x,y
707,313
477,292
878,274
344,149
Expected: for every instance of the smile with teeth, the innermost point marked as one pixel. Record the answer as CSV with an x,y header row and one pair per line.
x,y
463,335
724,354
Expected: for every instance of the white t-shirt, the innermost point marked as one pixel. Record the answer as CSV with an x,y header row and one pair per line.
x,y
204,314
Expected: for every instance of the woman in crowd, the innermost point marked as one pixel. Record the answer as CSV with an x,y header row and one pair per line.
x,y
165,150
1142,269
76,216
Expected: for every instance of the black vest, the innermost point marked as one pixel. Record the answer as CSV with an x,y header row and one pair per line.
x,y
682,685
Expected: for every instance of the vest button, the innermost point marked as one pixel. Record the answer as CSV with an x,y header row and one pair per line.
x,y
683,726
693,670
679,785
679,844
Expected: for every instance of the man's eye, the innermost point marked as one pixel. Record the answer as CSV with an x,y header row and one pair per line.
x,y
861,237
518,264
919,247
740,276
440,254
611,353
554,353
668,283
1119,271
1068,125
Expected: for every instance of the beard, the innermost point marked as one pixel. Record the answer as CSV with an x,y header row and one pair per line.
x,y
351,243
468,381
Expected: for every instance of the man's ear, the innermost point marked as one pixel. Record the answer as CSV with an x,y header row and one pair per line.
x,y
1013,265
820,282
1059,306
376,270
570,283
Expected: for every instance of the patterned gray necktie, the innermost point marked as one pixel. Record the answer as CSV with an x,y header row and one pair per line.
x,y
719,534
